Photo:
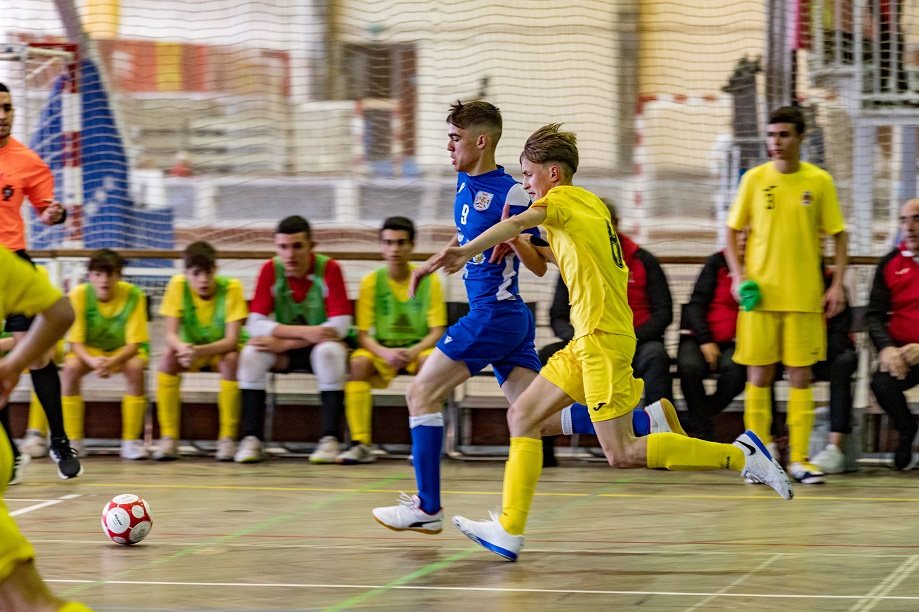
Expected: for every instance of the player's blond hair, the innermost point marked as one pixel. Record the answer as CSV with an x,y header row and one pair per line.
x,y
550,144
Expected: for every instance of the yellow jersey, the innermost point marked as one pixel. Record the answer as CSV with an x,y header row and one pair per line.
x,y
589,256
174,301
23,289
136,327
787,215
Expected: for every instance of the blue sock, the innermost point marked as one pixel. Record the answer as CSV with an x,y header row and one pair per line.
x,y
581,423
427,444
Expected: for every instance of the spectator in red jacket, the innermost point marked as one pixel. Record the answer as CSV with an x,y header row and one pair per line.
x,y
892,319
708,329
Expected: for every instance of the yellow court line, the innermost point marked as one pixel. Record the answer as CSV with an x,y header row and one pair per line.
x,y
654,495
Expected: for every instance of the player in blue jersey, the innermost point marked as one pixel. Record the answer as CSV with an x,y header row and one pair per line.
x,y
499,329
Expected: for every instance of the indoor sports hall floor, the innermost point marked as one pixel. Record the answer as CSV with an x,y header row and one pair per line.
x,y
285,535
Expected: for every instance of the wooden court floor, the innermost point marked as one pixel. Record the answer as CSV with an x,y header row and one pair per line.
x,y
285,535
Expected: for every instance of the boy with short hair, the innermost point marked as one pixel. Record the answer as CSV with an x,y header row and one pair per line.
x,y
204,316
395,333
109,336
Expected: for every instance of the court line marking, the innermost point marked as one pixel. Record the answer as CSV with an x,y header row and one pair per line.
x,y
23,499
654,494
739,580
889,583
188,550
295,585
654,548
44,504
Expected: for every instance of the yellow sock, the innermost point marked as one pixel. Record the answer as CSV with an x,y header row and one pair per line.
x,y
74,416
675,452
757,413
229,407
74,606
359,410
37,419
521,473
133,412
168,404
800,423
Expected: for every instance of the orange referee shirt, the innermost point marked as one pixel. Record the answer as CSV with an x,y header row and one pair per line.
x,y
23,174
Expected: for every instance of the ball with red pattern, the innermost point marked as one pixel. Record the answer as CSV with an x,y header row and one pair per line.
x,y
126,519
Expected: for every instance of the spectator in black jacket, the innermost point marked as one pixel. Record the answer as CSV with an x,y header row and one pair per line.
x,y
892,319
707,332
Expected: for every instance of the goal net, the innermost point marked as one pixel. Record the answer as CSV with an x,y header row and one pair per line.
x,y
214,120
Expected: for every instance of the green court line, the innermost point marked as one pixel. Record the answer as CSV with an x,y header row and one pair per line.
x,y
402,580
239,533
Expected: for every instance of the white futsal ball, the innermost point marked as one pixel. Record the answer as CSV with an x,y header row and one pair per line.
x,y
126,519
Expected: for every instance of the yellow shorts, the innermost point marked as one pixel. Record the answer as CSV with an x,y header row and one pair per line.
x,y
796,339
211,364
596,370
97,352
385,373
14,548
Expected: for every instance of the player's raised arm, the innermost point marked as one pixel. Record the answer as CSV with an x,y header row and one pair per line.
x,y
453,258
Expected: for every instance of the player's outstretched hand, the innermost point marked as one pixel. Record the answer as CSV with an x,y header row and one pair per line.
x,y
452,259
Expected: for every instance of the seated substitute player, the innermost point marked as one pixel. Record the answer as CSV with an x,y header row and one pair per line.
x,y
109,336
595,367
204,314
395,333
24,290
305,293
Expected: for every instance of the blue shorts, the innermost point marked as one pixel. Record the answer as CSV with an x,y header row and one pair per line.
x,y
502,336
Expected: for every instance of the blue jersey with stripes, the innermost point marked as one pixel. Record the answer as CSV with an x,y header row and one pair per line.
x,y
478,205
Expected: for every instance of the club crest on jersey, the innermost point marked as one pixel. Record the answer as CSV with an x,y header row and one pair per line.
x,y
807,198
482,200
478,259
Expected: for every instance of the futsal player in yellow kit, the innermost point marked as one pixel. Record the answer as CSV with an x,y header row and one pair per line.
x,y
204,315
22,289
788,205
595,367
109,336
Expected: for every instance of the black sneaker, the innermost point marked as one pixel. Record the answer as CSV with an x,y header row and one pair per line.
x,y
903,454
68,466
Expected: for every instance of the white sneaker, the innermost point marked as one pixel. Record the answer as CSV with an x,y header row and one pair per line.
x,y
491,535
408,516
19,464
326,451
664,418
34,444
831,460
134,450
773,449
357,453
249,451
759,466
226,448
166,450
806,473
